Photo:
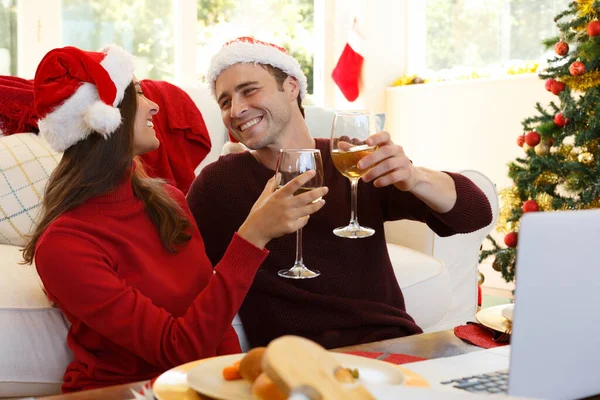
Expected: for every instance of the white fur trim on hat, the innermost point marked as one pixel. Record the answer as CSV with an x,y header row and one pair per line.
x,y
103,118
120,65
84,112
244,52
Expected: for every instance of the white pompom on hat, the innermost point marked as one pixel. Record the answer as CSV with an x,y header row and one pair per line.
x,y
249,50
76,93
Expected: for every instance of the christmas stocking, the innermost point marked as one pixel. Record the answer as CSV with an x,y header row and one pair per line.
x,y
347,71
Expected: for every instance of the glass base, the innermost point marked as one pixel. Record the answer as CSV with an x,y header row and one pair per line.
x,y
354,231
298,271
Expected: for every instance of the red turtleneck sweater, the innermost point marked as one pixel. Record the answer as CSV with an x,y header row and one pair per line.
x,y
137,310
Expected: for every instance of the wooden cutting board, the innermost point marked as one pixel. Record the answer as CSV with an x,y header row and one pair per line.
x,y
296,364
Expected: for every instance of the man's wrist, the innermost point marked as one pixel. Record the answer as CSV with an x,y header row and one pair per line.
x,y
417,178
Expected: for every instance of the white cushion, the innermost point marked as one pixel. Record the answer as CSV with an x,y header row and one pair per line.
x,y
319,121
425,284
33,349
26,162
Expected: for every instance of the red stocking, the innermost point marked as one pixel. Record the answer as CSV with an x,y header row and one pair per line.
x,y
347,71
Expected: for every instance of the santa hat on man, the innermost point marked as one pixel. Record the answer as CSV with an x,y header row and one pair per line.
x,y
249,50
76,93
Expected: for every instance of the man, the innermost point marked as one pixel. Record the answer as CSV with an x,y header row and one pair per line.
x,y
259,88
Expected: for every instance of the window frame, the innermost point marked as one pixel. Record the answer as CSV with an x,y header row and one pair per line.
x,y
46,34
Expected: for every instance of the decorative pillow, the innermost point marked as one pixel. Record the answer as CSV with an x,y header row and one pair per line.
x,y
26,162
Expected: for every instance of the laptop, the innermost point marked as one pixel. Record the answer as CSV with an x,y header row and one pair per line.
x,y
555,342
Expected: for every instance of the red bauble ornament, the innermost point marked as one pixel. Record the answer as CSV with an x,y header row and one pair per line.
x,y
530,206
561,48
549,83
556,87
532,138
593,28
560,120
520,140
511,239
577,68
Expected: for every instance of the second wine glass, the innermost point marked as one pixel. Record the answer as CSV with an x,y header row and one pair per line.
x,y
290,164
348,145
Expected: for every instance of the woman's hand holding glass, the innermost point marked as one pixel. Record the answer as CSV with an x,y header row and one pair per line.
x,y
279,212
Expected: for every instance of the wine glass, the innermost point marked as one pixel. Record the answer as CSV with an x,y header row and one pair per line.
x,y
349,133
290,164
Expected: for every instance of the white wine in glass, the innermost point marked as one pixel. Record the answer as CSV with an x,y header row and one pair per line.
x,y
290,164
349,133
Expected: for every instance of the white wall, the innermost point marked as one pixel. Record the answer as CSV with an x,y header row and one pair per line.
x,y
382,23
464,124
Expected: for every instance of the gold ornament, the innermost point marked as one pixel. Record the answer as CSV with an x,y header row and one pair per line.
x,y
591,146
509,200
586,8
565,149
480,278
547,178
594,204
542,149
544,201
526,147
583,82
586,158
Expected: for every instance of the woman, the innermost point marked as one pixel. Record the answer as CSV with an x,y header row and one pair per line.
x,y
116,250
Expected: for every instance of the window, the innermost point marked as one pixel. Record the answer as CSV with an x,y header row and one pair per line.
x,y
172,40
144,28
286,23
8,37
476,34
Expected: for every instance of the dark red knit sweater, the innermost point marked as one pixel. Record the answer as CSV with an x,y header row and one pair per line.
x,y
357,298
136,309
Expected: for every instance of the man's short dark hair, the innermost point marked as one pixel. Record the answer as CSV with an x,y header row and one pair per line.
x,y
280,77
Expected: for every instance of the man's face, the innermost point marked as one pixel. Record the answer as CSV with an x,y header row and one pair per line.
x,y
253,107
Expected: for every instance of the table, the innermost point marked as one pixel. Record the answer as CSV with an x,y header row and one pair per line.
x,y
427,345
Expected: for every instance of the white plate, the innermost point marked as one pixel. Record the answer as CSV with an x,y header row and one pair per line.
x,y
492,318
507,312
207,378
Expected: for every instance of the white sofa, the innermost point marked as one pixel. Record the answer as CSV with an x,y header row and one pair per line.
x,y
438,277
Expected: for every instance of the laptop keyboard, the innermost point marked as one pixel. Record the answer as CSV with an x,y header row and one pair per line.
x,y
494,382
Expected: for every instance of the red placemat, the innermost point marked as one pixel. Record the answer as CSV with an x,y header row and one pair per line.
x,y
394,358
478,335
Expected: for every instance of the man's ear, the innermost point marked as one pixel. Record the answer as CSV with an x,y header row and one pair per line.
x,y
292,87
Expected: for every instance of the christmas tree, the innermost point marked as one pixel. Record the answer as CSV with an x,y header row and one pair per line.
x,y
560,168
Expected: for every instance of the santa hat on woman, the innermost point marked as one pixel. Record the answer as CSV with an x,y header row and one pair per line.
x,y
76,93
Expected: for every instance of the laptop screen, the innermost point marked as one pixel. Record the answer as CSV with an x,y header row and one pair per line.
x,y
556,327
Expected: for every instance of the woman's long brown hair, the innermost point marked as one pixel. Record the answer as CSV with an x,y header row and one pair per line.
x,y
96,166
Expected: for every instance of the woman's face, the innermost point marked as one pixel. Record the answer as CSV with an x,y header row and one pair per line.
x,y
144,136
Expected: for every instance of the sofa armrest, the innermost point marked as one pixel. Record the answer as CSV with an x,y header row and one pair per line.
x,y
459,253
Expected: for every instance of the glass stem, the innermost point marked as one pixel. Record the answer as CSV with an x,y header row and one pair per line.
x,y
299,261
353,208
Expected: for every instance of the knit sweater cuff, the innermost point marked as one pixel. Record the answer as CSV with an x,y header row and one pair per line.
x,y
462,210
241,258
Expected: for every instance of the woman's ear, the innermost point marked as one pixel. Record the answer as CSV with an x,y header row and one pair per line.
x,y
291,85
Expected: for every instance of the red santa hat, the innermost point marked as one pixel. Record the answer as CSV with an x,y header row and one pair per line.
x,y
249,50
76,93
